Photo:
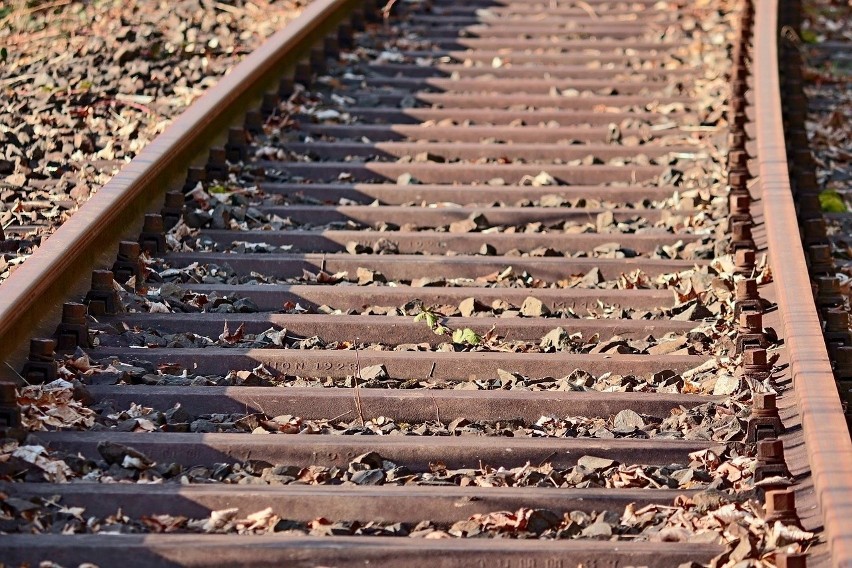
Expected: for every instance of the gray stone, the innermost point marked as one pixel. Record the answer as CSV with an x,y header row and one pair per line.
x,y
368,477
628,420
598,531
595,463
374,373
533,308
725,385
555,339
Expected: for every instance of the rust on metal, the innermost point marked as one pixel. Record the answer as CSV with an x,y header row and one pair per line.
x,y
826,432
31,293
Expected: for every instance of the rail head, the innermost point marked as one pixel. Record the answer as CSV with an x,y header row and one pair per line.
x,y
824,425
33,294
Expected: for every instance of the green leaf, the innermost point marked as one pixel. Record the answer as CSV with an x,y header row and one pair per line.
x,y
809,36
431,319
466,336
832,202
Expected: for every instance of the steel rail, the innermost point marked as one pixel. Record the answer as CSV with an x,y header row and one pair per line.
x,y
824,425
140,186
33,293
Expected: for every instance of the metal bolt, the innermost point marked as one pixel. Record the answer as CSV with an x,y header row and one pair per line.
x,y
798,138
794,117
40,366
127,264
765,402
843,363
738,181
129,250
741,236
73,313
755,364
746,297
814,232
791,560
152,239
744,261
254,122
739,71
303,74
7,393
269,103
736,142
194,176
750,332
738,104
330,46
837,326
217,156
42,349
828,292
756,358
806,182
745,289
102,298
739,203
836,320
10,412
780,505
750,322
770,460
73,330
217,163
236,149
808,206
153,223
102,280
764,421
738,161
317,60
174,200
801,158
820,259
172,209
833,347
345,36
286,88
742,231
356,17
770,451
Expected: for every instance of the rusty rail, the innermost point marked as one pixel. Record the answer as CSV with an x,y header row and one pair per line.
x,y
32,295
823,421
388,116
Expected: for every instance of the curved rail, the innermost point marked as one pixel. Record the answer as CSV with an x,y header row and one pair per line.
x,y
828,444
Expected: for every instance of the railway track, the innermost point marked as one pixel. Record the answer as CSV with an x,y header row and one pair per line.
x,y
513,284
